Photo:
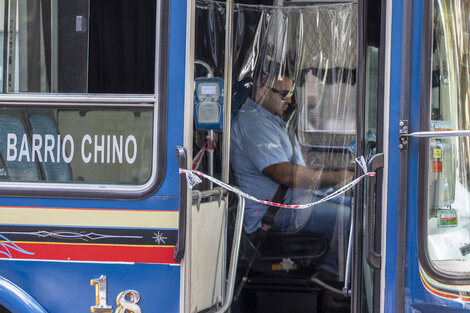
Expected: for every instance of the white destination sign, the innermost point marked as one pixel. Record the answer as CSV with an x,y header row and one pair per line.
x,y
52,148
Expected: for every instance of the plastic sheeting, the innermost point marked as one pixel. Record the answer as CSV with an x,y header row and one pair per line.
x,y
294,86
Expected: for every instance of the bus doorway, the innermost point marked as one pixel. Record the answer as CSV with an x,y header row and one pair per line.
x,y
303,84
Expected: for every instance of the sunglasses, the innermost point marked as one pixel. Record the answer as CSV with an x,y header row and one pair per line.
x,y
283,93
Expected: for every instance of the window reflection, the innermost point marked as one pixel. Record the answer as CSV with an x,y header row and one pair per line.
x,y
78,46
448,158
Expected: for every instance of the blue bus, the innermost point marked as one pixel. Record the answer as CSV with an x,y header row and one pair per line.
x,y
144,146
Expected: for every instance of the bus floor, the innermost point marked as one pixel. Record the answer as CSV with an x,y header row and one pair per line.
x,y
285,295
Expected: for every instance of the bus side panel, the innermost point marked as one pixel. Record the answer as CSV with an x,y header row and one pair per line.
x,y
65,286
60,285
176,95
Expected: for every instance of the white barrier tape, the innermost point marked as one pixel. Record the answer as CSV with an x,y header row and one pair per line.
x,y
362,163
193,180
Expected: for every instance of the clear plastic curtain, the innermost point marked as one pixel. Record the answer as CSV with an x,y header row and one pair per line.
x,y
315,47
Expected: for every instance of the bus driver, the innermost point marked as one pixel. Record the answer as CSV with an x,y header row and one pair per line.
x,y
263,157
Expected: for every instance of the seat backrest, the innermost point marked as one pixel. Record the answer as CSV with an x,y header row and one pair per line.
x,y
293,245
19,169
54,171
241,90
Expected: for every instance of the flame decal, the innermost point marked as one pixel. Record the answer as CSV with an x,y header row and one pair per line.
x,y
11,245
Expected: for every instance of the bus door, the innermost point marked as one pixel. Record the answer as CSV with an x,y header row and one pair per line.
x,y
209,265
334,53
367,282
432,149
89,192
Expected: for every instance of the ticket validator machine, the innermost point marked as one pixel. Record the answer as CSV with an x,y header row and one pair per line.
x,y
208,111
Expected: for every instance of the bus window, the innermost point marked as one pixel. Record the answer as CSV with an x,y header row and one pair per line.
x,y
78,93
124,158
448,170
89,145
78,46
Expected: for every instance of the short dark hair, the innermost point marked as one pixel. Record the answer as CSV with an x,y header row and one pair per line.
x,y
270,70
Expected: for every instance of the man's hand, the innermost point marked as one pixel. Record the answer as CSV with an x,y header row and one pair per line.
x,y
337,177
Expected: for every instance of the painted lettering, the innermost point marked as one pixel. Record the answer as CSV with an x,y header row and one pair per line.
x,y
36,149
102,149
11,147
86,158
49,144
129,139
24,150
68,158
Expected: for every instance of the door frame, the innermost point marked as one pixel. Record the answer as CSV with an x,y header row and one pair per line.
x,y
383,137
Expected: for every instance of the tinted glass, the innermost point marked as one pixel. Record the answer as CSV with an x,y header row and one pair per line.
x,y
78,46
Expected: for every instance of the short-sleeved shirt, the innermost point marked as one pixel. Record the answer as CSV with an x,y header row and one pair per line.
x,y
259,139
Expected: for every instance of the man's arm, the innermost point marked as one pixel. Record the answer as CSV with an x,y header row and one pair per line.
x,y
298,176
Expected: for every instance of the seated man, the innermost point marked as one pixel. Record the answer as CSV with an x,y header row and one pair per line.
x,y
263,156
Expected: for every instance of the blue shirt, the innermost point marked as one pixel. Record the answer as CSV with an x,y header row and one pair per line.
x,y
259,139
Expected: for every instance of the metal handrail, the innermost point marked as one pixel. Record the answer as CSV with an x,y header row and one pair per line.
x,y
234,256
199,195
73,99
347,275
438,134
210,71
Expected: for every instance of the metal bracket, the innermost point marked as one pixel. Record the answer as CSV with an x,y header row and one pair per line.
x,y
221,193
403,144
198,196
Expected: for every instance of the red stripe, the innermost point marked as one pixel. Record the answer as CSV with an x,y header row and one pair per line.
x,y
449,219
433,290
98,253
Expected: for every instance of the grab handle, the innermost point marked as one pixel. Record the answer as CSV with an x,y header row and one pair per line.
x,y
373,257
180,243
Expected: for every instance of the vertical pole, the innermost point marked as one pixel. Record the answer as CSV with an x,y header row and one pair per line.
x,y
5,46
227,90
210,154
186,269
54,87
226,123
10,33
